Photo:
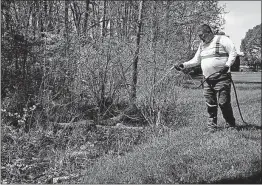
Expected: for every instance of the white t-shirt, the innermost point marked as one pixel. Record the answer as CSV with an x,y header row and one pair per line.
x,y
206,55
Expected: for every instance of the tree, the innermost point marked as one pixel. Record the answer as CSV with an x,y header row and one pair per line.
x,y
135,61
251,47
106,43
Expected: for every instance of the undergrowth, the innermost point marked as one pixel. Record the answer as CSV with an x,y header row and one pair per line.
x,y
42,155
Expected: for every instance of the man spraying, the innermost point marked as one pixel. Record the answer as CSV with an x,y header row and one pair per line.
x,y
216,53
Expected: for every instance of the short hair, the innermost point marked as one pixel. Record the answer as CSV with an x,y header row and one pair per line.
x,y
205,28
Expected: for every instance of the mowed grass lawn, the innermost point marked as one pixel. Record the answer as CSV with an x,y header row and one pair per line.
x,y
250,77
188,154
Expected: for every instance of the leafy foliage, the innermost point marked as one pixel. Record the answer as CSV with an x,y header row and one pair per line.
x,y
251,46
49,49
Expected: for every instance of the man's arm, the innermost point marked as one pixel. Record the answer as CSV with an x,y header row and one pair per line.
x,y
194,61
230,49
191,63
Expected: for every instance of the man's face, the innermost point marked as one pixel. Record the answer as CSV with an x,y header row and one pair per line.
x,y
205,36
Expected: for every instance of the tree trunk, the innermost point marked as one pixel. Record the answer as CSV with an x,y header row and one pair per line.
x,y
66,19
34,20
7,14
104,19
154,30
167,24
76,16
133,94
66,28
125,19
86,15
118,24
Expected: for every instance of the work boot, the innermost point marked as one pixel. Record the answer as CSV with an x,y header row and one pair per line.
x,y
212,124
231,125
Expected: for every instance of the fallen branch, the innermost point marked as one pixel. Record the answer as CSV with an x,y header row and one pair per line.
x,y
59,179
114,122
84,123
120,126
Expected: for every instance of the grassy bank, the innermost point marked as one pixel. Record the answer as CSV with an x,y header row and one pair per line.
x,y
190,155
179,152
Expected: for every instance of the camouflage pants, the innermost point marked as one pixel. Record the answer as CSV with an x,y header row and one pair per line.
x,y
217,92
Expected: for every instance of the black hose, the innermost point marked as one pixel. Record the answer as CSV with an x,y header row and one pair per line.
x,y
237,101
202,83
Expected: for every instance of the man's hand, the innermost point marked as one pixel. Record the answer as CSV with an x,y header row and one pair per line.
x,y
224,70
179,67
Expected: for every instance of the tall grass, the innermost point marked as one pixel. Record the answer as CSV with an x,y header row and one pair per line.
x,y
40,156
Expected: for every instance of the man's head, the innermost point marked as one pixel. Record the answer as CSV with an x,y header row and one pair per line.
x,y
205,33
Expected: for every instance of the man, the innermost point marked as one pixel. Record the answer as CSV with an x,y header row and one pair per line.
x,y
216,53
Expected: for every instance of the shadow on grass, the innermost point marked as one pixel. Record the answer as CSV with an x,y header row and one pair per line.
x,y
248,127
241,128
254,179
